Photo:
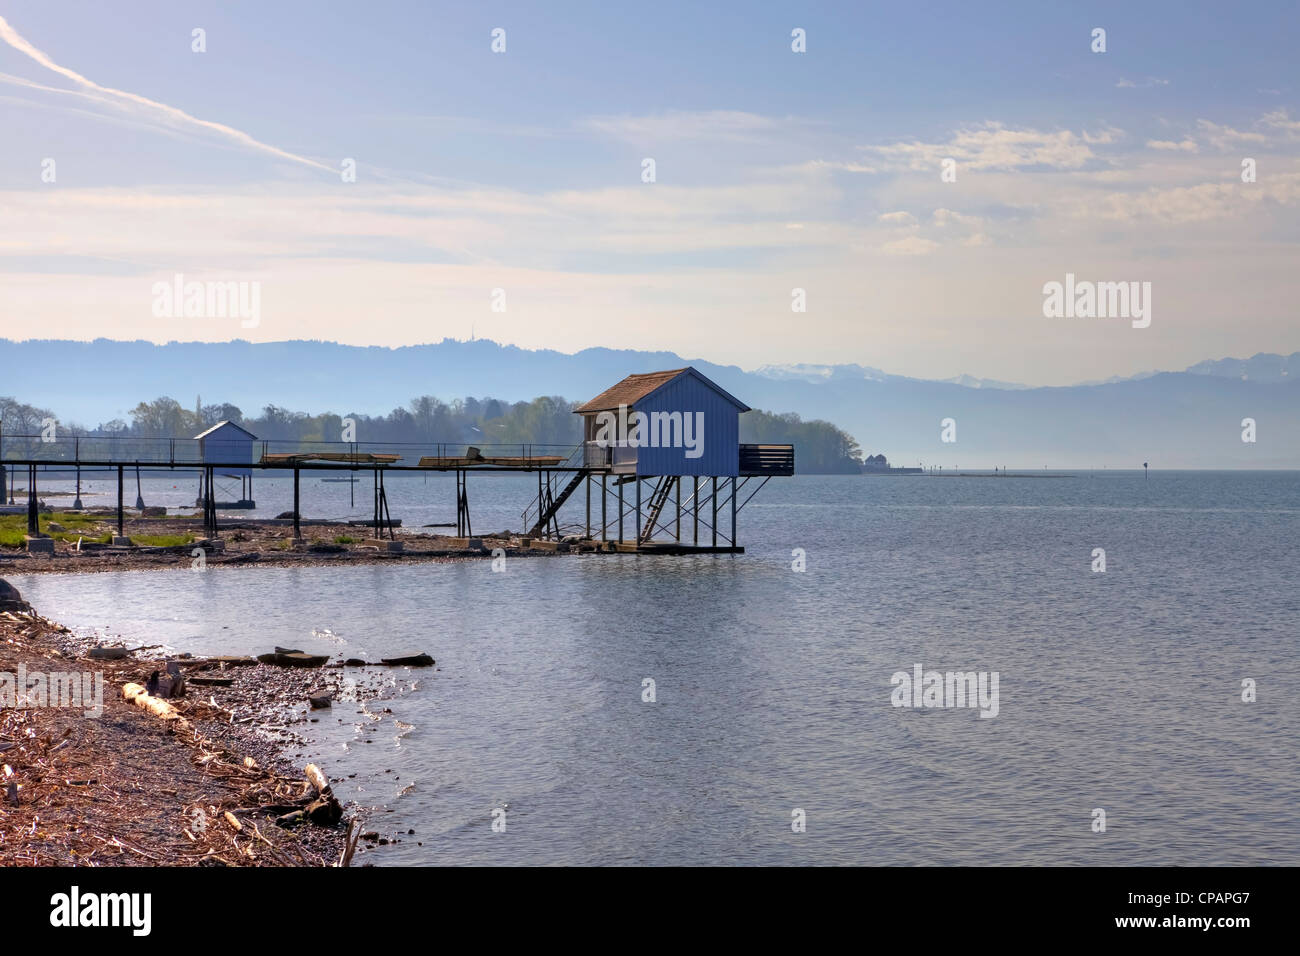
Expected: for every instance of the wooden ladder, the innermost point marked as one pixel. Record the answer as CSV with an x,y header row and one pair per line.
x,y
657,502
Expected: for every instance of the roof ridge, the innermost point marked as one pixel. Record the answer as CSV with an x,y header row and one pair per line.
x,y
635,386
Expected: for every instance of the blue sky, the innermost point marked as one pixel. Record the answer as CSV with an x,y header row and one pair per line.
x,y
774,171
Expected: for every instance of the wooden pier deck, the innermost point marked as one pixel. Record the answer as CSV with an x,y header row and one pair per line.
x,y
700,519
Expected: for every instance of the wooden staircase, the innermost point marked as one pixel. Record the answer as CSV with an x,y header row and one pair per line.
x,y
657,501
552,503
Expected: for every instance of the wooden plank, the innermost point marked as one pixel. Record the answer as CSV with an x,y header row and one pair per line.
x,y
360,458
517,461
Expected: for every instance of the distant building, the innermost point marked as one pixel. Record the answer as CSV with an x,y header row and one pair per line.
x,y
228,446
229,449
879,465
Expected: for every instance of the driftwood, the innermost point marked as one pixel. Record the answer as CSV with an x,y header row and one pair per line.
x,y
154,705
350,843
325,810
75,786
318,779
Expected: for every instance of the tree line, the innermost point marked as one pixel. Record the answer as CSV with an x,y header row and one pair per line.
x,y
820,447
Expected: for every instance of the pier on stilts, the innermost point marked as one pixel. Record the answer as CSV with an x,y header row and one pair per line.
x,y
660,470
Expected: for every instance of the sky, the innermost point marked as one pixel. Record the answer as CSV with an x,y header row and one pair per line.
x,y
502,194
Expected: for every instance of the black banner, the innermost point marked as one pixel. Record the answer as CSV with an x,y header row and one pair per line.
x,y
1149,905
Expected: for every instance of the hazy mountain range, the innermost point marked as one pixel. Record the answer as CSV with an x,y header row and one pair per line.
x,y
1186,419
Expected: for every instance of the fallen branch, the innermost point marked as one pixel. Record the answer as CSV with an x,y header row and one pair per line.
x,y
350,843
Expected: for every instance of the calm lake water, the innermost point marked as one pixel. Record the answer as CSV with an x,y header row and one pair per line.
x,y
1118,690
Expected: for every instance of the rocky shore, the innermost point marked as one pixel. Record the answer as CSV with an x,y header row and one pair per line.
x,y
194,780
87,546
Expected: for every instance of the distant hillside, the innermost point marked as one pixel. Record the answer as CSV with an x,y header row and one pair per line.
x,y
1188,419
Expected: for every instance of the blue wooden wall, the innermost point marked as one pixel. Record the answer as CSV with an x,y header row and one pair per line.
x,y
721,438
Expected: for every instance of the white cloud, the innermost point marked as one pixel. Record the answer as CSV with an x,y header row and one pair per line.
x,y
947,217
1280,120
1225,137
1204,202
1186,145
995,146
625,252
897,218
1110,134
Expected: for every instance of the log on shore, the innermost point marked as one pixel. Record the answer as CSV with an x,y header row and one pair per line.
x,y
316,777
325,810
155,705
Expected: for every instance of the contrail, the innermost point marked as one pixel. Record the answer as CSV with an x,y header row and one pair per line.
x,y
19,43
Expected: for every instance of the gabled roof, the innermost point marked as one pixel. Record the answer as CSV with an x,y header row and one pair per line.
x,y
205,434
640,386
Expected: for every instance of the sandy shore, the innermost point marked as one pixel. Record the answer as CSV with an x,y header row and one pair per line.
x,y
127,788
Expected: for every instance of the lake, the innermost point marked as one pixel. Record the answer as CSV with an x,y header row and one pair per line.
x,y
1118,690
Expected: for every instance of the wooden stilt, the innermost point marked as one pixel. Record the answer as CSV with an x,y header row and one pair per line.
x,y
33,516
677,527
695,509
733,511
713,497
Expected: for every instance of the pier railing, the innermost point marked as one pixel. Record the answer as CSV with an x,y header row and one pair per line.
x,y
113,450
757,460
599,454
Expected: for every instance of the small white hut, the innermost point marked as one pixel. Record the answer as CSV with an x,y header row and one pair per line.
x,y
228,448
